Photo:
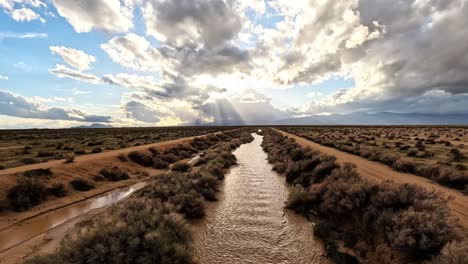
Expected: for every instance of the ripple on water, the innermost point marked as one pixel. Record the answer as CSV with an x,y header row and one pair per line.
x,y
249,223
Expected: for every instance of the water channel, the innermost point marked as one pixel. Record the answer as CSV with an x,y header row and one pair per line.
x,y
249,223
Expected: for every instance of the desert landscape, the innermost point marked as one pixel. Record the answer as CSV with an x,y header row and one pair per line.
x,y
234,194
233,132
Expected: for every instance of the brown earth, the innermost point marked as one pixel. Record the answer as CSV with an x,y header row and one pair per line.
x,y
374,171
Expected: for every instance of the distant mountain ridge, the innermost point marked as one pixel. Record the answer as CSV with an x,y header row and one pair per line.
x,y
383,118
95,125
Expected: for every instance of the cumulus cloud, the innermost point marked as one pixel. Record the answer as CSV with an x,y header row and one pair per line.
x,y
2,77
401,66
63,71
18,106
23,13
133,51
76,58
104,15
192,22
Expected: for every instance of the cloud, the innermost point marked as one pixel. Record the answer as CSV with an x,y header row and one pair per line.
x,y
22,35
76,58
63,71
22,66
2,77
146,83
192,22
141,112
105,15
25,14
18,106
400,66
133,51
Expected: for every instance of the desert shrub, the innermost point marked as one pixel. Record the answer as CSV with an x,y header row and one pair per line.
x,y
420,233
154,151
296,154
170,158
323,229
141,158
45,154
114,174
36,173
27,193
404,165
81,185
452,253
207,186
175,189
160,164
181,166
446,176
30,160
96,150
95,143
185,154
122,157
456,154
140,232
80,152
412,153
57,190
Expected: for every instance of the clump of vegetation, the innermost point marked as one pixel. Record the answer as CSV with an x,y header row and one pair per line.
x,y
141,158
456,154
58,190
181,166
122,157
27,193
169,158
30,160
38,173
81,185
406,220
96,150
114,174
45,154
138,231
160,164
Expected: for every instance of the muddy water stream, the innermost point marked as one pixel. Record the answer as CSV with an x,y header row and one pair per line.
x,y
249,223
38,225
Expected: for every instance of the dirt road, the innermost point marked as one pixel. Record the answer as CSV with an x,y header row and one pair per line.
x,y
374,171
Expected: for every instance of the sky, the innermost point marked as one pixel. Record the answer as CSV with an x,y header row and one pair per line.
x,y
66,63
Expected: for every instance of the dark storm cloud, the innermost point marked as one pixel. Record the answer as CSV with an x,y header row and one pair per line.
x,y
18,106
141,112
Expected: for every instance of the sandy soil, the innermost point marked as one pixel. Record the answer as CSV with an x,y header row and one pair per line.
x,y
374,171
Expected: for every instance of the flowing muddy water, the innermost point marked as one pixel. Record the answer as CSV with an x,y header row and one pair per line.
x,y
249,223
28,229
